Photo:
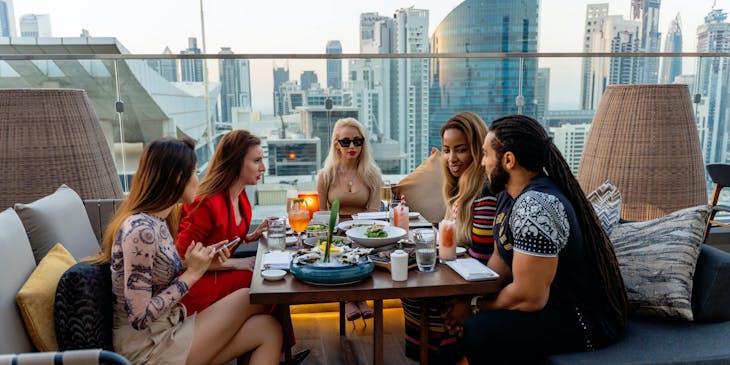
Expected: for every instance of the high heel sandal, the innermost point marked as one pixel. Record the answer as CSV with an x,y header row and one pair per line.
x,y
352,311
365,310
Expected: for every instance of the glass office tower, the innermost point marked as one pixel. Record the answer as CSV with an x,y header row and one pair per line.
x,y
488,87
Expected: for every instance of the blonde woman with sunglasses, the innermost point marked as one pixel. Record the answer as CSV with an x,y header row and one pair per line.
x,y
350,174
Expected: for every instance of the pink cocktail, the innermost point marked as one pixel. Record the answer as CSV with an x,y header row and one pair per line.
x,y
400,216
447,247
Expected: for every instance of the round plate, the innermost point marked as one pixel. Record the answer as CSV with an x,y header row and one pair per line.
x,y
273,274
360,222
333,273
358,235
460,250
291,240
314,241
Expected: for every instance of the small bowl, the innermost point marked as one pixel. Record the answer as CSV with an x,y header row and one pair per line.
x,y
273,274
319,231
291,240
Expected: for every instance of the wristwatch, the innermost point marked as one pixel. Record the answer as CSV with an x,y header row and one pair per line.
x,y
474,303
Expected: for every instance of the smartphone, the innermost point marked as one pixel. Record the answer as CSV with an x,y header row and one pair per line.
x,y
229,244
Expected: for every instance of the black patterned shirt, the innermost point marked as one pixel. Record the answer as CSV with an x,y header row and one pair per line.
x,y
145,267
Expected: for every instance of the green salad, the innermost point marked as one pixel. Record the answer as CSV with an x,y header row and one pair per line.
x,y
376,231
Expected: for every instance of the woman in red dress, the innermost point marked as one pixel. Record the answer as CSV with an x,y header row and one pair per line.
x,y
221,211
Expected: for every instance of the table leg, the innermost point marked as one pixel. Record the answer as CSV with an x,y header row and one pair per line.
x,y
342,318
424,334
378,332
287,332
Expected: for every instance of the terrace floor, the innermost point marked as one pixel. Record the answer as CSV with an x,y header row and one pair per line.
x,y
316,327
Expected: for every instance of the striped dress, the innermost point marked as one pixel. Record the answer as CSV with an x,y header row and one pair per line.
x,y
443,347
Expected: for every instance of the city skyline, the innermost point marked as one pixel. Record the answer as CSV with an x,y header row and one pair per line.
x,y
292,27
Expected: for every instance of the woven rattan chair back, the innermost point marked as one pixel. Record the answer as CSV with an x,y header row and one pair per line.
x,y
50,137
644,139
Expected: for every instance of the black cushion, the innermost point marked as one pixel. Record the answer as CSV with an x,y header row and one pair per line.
x,y
83,309
711,294
659,341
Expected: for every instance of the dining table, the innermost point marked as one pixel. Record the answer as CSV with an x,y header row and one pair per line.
x,y
443,281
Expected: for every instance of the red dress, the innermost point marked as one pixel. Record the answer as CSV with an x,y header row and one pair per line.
x,y
211,222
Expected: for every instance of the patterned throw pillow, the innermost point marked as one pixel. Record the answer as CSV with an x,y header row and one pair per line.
x,y
606,200
657,260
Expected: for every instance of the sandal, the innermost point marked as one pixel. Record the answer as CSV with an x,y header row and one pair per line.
x,y
365,310
352,311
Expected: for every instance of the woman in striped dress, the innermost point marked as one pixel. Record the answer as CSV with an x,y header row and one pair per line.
x,y
464,187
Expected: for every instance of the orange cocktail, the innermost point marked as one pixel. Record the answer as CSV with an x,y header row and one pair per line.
x,y
447,246
299,220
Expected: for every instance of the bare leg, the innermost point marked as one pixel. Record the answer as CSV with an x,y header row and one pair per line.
x,y
219,324
262,335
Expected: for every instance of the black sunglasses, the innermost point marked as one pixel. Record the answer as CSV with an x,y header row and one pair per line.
x,y
345,142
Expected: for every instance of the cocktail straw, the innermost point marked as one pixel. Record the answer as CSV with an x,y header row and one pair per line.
x,y
454,211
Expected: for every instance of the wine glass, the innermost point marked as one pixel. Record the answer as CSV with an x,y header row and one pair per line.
x,y
386,194
298,218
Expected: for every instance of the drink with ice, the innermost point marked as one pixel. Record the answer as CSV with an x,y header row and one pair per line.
x,y
400,216
447,248
425,239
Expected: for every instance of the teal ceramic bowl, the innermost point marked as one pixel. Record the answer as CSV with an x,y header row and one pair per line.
x,y
332,273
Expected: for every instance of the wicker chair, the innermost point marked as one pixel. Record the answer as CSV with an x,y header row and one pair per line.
x,y
644,139
50,137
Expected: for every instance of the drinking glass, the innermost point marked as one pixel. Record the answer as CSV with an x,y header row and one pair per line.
x,y
386,194
298,218
393,204
276,237
447,244
425,239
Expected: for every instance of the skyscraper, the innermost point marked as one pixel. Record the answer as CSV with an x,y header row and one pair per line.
x,y
191,70
35,25
487,87
166,68
593,25
542,95
616,36
235,85
334,67
713,78
307,79
7,19
281,75
411,85
648,12
570,140
672,66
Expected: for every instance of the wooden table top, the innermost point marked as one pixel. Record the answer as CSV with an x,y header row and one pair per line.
x,y
290,290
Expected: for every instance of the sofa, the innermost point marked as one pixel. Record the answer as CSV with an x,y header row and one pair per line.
x,y
28,232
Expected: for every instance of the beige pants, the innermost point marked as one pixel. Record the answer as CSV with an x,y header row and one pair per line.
x,y
165,341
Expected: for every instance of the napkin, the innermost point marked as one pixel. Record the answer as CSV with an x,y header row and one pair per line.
x,y
472,270
276,260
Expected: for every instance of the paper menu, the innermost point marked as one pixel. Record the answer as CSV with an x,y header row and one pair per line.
x,y
472,270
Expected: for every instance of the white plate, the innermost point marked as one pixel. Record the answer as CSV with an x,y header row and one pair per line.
x,y
360,222
460,250
314,241
290,240
273,274
358,235
380,215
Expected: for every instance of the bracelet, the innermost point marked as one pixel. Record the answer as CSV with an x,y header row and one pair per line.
x,y
475,303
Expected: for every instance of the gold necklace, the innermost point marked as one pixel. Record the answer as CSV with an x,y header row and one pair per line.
x,y
351,180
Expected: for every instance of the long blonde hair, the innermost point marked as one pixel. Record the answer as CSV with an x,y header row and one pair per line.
x,y
164,169
464,189
367,170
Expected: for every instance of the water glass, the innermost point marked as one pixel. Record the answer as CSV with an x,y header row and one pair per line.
x,y
276,238
425,239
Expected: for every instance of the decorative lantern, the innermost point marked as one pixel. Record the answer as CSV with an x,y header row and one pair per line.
x,y
312,200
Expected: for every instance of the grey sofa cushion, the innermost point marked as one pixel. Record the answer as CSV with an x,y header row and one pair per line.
x,y
711,292
59,217
16,265
657,260
606,201
659,341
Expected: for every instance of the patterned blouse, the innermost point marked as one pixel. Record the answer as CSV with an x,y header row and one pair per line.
x,y
145,267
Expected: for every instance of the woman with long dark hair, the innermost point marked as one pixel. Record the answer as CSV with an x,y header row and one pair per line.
x,y
150,326
563,289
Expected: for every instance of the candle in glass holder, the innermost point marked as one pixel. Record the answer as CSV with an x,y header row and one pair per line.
x,y
312,200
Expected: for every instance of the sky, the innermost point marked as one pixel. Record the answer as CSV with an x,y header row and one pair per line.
x,y
277,26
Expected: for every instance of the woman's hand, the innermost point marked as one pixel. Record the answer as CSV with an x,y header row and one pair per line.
x,y
198,259
454,317
245,263
222,256
263,227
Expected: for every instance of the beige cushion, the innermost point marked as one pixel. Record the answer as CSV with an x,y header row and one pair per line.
x,y
422,188
59,217
36,297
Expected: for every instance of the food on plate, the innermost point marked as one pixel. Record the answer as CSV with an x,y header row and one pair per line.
x,y
411,251
316,227
376,231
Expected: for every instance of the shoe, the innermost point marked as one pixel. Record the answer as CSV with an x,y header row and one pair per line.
x,y
352,311
365,310
298,358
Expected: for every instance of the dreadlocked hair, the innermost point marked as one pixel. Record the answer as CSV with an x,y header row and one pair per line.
x,y
535,151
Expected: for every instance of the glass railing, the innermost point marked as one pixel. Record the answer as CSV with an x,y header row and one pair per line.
x,y
402,100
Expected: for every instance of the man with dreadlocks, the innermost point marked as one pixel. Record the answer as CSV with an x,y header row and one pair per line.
x,y
563,290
